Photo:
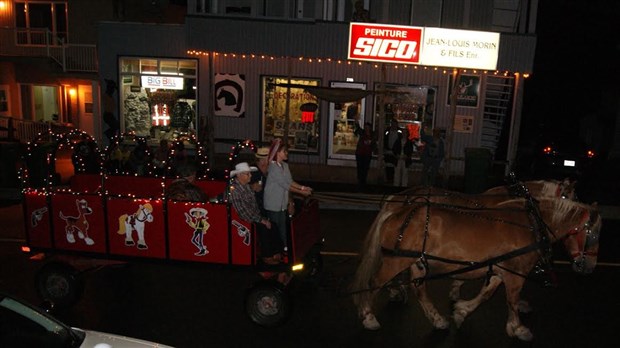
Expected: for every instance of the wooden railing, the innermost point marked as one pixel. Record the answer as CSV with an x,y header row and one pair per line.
x,y
24,131
20,42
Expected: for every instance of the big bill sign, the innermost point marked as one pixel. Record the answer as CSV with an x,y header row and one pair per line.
x,y
425,46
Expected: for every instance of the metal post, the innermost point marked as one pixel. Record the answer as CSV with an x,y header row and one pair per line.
x,y
450,129
287,116
381,125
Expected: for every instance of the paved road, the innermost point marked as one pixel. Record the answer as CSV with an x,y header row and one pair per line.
x,y
203,307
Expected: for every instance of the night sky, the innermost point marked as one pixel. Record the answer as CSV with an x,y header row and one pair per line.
x,y
573,91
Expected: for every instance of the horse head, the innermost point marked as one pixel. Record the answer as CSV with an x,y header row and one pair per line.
x,y
582,242
83,207
145,212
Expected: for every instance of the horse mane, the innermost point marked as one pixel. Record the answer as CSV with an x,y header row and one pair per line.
x,y
563,209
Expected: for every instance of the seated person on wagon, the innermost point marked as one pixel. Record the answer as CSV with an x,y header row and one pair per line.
x,y
183,188
243,199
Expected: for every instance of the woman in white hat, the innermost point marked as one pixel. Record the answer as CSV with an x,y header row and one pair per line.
x,y
244,201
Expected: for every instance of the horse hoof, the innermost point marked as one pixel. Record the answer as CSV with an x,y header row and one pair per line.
x,y
371,323
524,307
81,235
441,323
459,318
142,246
89,241
129,243
70,238
524,334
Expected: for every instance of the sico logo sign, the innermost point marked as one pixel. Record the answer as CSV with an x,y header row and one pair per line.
x,y
387,43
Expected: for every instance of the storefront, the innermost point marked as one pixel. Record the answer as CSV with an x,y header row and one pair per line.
x,y
158,97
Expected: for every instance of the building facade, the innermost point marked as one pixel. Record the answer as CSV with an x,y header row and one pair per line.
x,y
246,69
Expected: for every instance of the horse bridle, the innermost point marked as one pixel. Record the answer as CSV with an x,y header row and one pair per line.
x,y
146,214
590,238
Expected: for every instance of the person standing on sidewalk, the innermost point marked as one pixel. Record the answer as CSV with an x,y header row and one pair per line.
x,y
363,152
390,139
280,183
403,150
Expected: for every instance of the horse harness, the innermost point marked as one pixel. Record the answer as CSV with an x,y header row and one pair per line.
x,y
537,226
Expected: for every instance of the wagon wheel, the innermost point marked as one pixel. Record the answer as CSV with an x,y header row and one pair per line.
x,y
59,283
267,303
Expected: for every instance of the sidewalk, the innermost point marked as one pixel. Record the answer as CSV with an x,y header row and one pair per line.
x,y
370,197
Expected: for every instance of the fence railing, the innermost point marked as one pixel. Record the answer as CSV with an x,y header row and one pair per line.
x,y
22,42
24,131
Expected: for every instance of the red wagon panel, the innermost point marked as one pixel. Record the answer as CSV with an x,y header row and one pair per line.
x,y
78,222
37,220
136,227
243,239
198,231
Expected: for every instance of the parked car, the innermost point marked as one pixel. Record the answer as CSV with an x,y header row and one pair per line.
x,y
23,325
561,157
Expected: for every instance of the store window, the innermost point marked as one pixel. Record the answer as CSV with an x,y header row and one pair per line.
x,y
412,106
158,97
345,117
303,113
37,15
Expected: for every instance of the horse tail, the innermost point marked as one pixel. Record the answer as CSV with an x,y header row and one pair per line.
x,y
371,258
121,224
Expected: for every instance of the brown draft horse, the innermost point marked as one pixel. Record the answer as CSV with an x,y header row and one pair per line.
x,y
500,244
537,189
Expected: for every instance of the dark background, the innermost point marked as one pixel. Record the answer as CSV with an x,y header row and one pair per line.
x,y
573,91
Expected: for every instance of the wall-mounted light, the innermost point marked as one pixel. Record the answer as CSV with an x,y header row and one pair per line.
x,y
3,5
72,92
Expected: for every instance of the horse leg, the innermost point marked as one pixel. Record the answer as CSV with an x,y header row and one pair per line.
x,y
462,308
128,231
389,269
514,328
436,319
141,241
455,290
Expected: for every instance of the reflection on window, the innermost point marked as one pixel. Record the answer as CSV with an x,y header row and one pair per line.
x,y
169,67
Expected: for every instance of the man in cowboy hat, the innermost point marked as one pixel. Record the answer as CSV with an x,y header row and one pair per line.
x,y
243,199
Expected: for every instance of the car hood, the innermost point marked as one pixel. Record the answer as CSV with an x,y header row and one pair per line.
x,y
97,339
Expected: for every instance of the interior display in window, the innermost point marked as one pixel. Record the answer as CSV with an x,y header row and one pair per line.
x,y
155,103
344,119
413,107
277,94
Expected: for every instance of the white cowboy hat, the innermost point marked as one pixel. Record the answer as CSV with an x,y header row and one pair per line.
x,y
242,167
202,211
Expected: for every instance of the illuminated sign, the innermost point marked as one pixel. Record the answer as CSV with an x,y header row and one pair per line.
x,y
460,48
427,46
163,82
384,43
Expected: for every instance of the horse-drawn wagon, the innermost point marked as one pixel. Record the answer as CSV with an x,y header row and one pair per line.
x,y
84,209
